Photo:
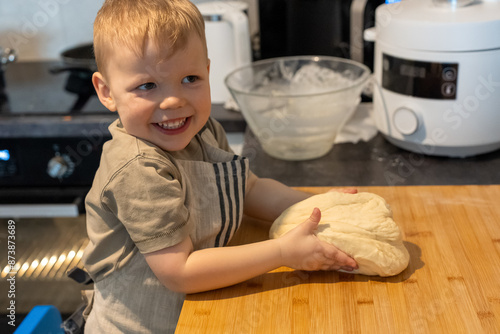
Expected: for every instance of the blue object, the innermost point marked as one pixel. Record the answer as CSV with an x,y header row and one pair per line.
x,y
42,319
391,1
4,155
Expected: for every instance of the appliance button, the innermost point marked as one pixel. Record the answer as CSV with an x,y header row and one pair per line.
x,y
406,121
449,74
448,89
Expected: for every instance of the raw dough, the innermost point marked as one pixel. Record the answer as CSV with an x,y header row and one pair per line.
x,y
359,224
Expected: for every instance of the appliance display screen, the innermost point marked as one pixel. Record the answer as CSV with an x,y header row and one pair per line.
x,y
430,80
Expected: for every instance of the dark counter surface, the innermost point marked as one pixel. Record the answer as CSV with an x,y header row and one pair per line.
x,y
373,163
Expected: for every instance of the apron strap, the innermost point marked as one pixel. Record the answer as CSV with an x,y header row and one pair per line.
x,y
79,275
88,298
79,317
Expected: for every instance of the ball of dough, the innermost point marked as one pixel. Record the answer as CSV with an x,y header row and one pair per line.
x,y
359,224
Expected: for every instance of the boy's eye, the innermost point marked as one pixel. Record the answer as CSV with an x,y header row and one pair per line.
x,y
190,79
147,86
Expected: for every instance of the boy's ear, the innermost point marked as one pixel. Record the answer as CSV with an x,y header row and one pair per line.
x,y
103,91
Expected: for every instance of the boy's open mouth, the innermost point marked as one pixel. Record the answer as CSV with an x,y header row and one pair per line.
x,y
175,126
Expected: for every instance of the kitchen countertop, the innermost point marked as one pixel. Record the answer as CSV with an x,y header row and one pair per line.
x,y
450,286
373,163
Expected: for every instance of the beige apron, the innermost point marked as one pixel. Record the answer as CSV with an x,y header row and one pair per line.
x,y
132,300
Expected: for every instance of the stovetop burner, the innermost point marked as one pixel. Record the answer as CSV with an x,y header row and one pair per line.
x,y
33,89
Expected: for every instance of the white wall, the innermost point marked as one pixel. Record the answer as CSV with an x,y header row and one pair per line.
x,y
42,29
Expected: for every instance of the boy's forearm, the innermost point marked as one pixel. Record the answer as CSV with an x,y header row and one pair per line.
x,y
268,198
214,268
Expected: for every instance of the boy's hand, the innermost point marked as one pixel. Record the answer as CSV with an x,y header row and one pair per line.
x,y
345,190
301,249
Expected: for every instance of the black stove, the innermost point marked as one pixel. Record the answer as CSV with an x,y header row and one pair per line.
x,y
52,128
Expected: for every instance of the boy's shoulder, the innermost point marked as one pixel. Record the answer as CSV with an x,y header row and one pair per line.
x,y
123,148
218,132
124,145
213,126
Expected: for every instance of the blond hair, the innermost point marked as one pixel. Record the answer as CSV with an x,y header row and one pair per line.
x,y
132,23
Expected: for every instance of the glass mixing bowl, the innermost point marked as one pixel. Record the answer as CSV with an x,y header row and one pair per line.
x,y
296,105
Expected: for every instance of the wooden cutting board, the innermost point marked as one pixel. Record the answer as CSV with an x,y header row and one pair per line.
x,y
452,284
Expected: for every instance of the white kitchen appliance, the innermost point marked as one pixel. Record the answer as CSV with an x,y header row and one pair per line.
x,y
228,41
437,68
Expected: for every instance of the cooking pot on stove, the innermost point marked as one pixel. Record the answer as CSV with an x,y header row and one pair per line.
x,y
80,62
438,72
228,42
80,57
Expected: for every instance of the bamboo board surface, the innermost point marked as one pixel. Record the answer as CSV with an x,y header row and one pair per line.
x,y
452,284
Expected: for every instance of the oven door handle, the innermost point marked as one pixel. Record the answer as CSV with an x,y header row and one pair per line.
x,y
45,210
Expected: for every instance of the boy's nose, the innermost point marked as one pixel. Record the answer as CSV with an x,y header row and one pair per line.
x,y
172,102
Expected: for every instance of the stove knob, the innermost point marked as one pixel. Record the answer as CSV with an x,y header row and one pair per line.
x,y
58,167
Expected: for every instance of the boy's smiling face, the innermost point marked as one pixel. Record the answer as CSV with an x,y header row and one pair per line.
x,y
165,102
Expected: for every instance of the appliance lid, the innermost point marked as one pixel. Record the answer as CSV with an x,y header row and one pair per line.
x,y
431,25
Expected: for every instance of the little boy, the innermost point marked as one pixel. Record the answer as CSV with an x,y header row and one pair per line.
x,y
169,192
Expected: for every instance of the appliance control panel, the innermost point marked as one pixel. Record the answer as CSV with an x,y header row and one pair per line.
x,y
48,162
430,80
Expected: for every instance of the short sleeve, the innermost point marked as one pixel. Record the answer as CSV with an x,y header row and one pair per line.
x,y
148,199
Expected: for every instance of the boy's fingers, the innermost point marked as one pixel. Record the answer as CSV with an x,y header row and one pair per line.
x,y
315,215
347,268
342,259
313,220
345,190
350,262
346,261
